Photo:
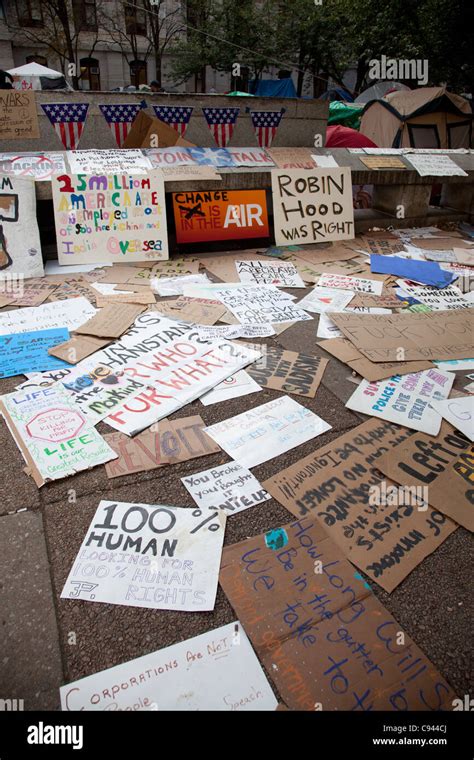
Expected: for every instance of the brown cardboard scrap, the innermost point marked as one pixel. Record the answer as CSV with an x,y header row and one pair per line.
x,y
292,158
77,348
18,117
289,371
168,443
346,352
442,465
407,336
142,298
325,639
148,132
198,310
339,485
111,321
383,162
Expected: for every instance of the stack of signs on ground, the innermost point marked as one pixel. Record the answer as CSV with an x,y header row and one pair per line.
x,y
266,431
341,486
257,304
281,273
178,549
55,437
325,638
217,670
439,470
230,487
405,399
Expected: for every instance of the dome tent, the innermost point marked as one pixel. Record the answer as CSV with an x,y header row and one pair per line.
x,y
429,117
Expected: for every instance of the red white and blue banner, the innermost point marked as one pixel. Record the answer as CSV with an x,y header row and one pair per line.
x,y
221,122
265,124
120,118
68,120
175,116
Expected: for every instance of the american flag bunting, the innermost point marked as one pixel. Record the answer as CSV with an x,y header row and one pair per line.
x,y
221,122
120,118
175,116
265,124
68,120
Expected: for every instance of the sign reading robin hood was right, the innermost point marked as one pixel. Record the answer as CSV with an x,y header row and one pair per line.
x,y
312,206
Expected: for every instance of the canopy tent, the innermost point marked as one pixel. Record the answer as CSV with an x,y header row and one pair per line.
x,y
345,137
429,117
380,90
273,88
347,114
34,76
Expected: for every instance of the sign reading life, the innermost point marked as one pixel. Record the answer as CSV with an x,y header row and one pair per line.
x,y
312,206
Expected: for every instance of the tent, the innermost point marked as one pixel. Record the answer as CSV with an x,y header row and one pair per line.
x,y
345,137
429,117
380,90
273,88
347,114
34,76
337,93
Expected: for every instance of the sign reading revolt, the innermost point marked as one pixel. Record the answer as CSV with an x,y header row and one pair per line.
x,y
220,215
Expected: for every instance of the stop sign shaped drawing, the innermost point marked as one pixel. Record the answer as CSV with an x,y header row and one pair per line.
x,y
55,425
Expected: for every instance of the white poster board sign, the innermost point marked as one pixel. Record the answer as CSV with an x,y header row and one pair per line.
x,y
20,247
110,161
230,487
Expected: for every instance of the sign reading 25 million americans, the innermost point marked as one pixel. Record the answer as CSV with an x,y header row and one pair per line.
x,y
220,215
312,206
110,217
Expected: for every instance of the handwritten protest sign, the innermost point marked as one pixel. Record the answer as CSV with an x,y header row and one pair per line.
x,y
207,672
320,300
172,441
39,166
18,117
281,273
20,247
346,352
257,304
327,328
240,384
111,321
266,431
35,292
292,158
325,638
435,165
459,412
230,487
438,300
28,352
230,332
170,558
407,337
442,468
405,399
356,284
289,371
312,206
77,348
220,215
110,161
110,217
173,286
201,311
70,314
339,485
55,438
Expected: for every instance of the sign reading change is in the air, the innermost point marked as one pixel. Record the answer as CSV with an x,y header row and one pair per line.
x,y
312,206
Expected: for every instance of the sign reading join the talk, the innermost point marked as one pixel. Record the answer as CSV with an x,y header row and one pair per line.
x,y
312,206
220,215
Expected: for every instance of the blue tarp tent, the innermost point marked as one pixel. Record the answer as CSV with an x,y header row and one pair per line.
x,y
271,88
337,93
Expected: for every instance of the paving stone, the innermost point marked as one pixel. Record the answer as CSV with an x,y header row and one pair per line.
x,y
30,659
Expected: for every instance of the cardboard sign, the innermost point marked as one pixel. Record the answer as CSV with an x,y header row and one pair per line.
x,y
35,292
343,350
20,247
220,215
70,314
283,274
459,412
292,158
444,471
110,161
55,438
406,400
327,328
289,371
200,311
231,488
28,352
18,117
320,300
266,431
325,638
190,174
355,284
207,672
110,217
260,304
382,162
339,485
39,166
148,132
77,348
408,337
73,288
170,558
312,206
240,384
172,441
173,286
111,321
